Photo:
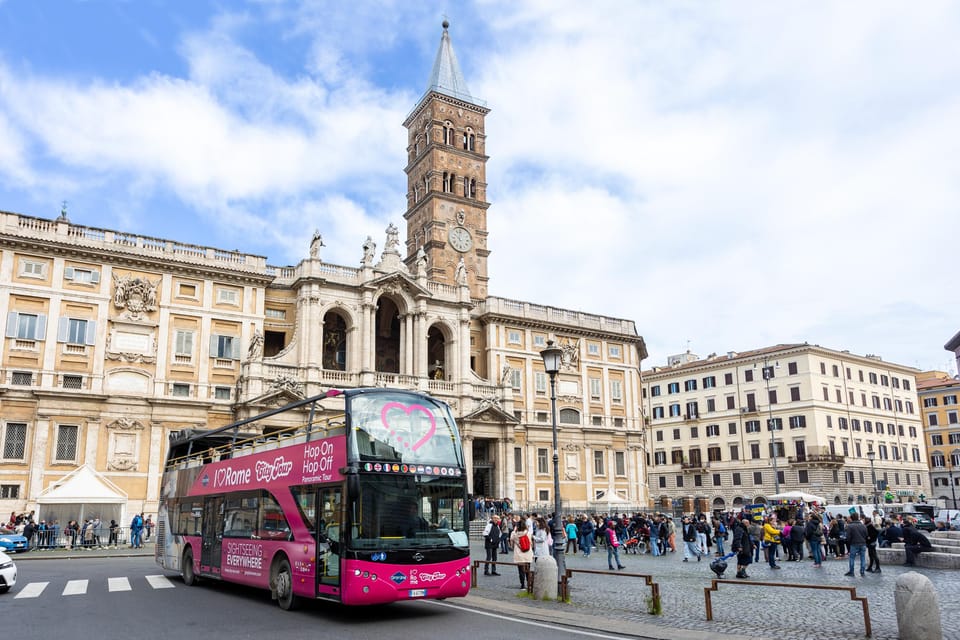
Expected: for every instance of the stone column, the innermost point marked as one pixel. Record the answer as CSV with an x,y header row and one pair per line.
x,y
155,467
587,460
468,461
37,456
91,444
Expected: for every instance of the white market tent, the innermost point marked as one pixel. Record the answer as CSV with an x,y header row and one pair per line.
x,y
798,495
82,494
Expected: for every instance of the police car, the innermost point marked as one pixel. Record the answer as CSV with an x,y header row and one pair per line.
x,y
13,543
8,573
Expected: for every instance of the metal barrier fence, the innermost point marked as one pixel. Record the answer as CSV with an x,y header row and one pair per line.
x,y
477,563
851,590
655,603
97,538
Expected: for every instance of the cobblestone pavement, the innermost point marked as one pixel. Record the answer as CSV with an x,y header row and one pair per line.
x,y
744,610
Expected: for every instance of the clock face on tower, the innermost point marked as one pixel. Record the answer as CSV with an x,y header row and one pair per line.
x,y
460,239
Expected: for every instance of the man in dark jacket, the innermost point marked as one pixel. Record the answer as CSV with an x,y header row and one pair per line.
x,y
742,546
893,533
915,543
856,542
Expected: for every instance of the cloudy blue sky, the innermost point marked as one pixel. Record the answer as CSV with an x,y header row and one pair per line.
x,y
729,175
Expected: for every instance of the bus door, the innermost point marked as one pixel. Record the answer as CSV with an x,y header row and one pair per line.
x,y
212,533
329,538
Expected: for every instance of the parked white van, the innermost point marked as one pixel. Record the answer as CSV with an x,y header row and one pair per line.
x,y
951,517
866,510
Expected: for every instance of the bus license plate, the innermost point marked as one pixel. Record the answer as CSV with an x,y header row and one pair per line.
x,y
418,593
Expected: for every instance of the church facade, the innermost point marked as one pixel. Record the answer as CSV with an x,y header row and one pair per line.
x,y
113,340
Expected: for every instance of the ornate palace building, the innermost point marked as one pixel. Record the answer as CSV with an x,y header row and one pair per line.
x,y
735,428
113,340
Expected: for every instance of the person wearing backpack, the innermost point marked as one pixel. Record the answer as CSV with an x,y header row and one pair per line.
x,y
491,542
522,544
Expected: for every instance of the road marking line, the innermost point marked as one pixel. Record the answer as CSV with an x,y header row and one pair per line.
x,y
160,582
555,627
32,590
118,584
75,588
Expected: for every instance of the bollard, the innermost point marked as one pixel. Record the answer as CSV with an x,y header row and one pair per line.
x,y
918,608
545,585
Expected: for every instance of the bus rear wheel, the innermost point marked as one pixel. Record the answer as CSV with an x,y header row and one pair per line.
x,y
284,587
186,569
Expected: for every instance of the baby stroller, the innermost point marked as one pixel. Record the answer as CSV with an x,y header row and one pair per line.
x,y
632,544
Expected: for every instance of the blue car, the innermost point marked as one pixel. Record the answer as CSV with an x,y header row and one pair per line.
x,y
13,543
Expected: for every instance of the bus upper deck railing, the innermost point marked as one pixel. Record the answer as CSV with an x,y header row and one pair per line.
x,y
299,433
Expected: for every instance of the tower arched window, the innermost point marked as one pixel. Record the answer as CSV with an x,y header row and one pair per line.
x,y
448,133
469,140
473,188
449,180
466,187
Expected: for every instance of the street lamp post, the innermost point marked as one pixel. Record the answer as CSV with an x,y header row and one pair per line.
x,y
953,488
767,374
552,359
871,456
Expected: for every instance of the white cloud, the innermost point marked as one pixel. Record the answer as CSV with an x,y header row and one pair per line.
x,y
735,175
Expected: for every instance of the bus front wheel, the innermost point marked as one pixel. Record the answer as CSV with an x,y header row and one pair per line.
x,y
284,586
186,569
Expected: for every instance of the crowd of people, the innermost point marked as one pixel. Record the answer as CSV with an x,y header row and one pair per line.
x,y
92,533
780,535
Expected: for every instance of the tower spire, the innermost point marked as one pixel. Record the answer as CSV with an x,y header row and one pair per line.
x,y
446,77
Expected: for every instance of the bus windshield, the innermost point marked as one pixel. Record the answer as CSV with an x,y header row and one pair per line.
x,y
395,426
406,511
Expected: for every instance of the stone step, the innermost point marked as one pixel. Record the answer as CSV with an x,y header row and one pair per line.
x,y
953,536
928,559
939,548
947,542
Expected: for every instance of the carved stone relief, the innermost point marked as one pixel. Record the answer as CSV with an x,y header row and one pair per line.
x,y
126,424
137,296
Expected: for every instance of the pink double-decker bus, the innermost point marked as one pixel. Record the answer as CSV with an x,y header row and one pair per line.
x,y
356,496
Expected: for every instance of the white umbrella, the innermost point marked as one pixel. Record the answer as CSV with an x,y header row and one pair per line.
x,y
798,495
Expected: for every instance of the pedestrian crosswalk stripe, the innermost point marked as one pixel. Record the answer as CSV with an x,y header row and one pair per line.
x,y
75,587
118,584
32,590
159,582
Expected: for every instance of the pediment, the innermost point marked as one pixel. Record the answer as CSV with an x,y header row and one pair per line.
x,y
398,282
275,398
490,412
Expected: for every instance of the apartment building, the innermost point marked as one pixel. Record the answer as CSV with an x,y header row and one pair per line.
x,y
938,394
736,428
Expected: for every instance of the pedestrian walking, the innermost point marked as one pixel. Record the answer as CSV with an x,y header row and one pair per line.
x,y
613,546
742,546
689,535
873,533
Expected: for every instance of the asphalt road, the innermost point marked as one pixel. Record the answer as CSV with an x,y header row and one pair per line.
x,y
126,598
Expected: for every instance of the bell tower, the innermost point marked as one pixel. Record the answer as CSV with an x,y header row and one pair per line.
x,y
446,178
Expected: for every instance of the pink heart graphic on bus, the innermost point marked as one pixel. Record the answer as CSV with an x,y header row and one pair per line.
x,y
409,410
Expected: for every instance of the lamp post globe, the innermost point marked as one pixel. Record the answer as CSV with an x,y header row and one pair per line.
x,y
552,360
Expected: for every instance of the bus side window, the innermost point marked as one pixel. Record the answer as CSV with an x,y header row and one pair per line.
x,y
273,524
